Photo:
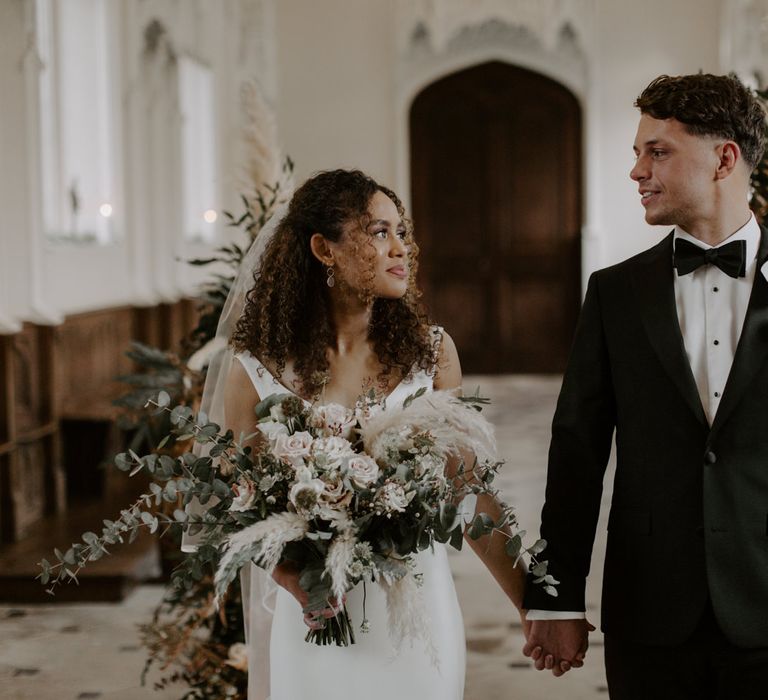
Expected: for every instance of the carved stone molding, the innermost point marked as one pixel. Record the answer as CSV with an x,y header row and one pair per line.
x,y
438,24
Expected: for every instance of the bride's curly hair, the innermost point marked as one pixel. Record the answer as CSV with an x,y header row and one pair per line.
x,y
287,311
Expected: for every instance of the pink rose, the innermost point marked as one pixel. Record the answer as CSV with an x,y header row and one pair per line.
x,y
335,493
330,452
362,470
333,420
245,495
293,449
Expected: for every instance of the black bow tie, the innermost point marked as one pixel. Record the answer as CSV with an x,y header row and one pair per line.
x,y
731,258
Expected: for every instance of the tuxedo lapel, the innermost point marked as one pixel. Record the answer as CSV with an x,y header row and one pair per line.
x,y
654,286
752,349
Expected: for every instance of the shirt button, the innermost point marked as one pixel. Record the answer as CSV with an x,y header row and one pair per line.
x,y
717,342
717,394
716,289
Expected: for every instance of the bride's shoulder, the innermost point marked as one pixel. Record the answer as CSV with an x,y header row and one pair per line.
x,y
447,365
239,384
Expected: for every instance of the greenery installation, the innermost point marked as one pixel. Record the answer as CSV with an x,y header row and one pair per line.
x,y
187,638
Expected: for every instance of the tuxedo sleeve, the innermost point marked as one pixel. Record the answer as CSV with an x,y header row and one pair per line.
x,y
582,431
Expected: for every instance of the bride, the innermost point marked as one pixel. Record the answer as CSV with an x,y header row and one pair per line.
x,y
332,312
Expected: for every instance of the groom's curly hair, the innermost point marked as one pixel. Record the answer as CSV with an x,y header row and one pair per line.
x,y
287,312
710,105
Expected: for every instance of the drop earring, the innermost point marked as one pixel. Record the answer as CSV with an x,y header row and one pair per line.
x,y
330,280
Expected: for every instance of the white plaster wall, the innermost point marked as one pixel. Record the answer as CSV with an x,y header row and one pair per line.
x,y
13,190
637,42
335,87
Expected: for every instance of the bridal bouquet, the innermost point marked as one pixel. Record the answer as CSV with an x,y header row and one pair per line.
x,y
347,495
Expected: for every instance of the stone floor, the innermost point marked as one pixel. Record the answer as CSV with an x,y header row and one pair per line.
x,y
522,408
79,651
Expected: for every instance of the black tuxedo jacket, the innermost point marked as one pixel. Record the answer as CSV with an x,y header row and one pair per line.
x,y
689,515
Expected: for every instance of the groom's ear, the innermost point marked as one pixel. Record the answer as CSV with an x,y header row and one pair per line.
x,y
320,248
729,155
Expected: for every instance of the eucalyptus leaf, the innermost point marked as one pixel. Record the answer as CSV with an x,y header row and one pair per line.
x,y
69,557
123,462
449,516
481,525
170,491
514,546
457,538
410,399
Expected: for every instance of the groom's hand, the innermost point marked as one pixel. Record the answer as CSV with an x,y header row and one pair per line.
x,y
557,645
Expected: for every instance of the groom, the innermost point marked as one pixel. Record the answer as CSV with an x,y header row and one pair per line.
x,y
671,353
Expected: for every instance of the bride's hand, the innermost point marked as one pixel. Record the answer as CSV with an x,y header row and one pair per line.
x,y
287,575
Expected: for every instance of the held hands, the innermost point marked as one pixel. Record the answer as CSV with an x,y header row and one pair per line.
x,y
557,645
287,576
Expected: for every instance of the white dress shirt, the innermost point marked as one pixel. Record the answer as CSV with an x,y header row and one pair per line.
x,y
711,307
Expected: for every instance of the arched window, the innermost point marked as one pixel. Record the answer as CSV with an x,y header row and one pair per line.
x,y
77,119
198,149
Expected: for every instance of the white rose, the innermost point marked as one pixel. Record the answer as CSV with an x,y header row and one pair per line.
x,y
334,450
238,656
305,493
271,430
245,495
362,470
392,497
293,449
334,420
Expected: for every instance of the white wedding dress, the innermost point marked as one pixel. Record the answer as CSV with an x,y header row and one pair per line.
x,y
371,668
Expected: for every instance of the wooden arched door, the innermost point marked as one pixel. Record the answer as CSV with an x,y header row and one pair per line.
x,y
496,192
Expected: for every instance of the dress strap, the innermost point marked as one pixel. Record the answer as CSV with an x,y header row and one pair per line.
x,y
263,381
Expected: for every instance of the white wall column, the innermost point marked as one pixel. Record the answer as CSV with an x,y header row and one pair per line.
x,y
21,237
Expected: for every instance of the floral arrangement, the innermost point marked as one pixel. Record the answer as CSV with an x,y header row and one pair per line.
x,y
348,495
187,638
196,644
